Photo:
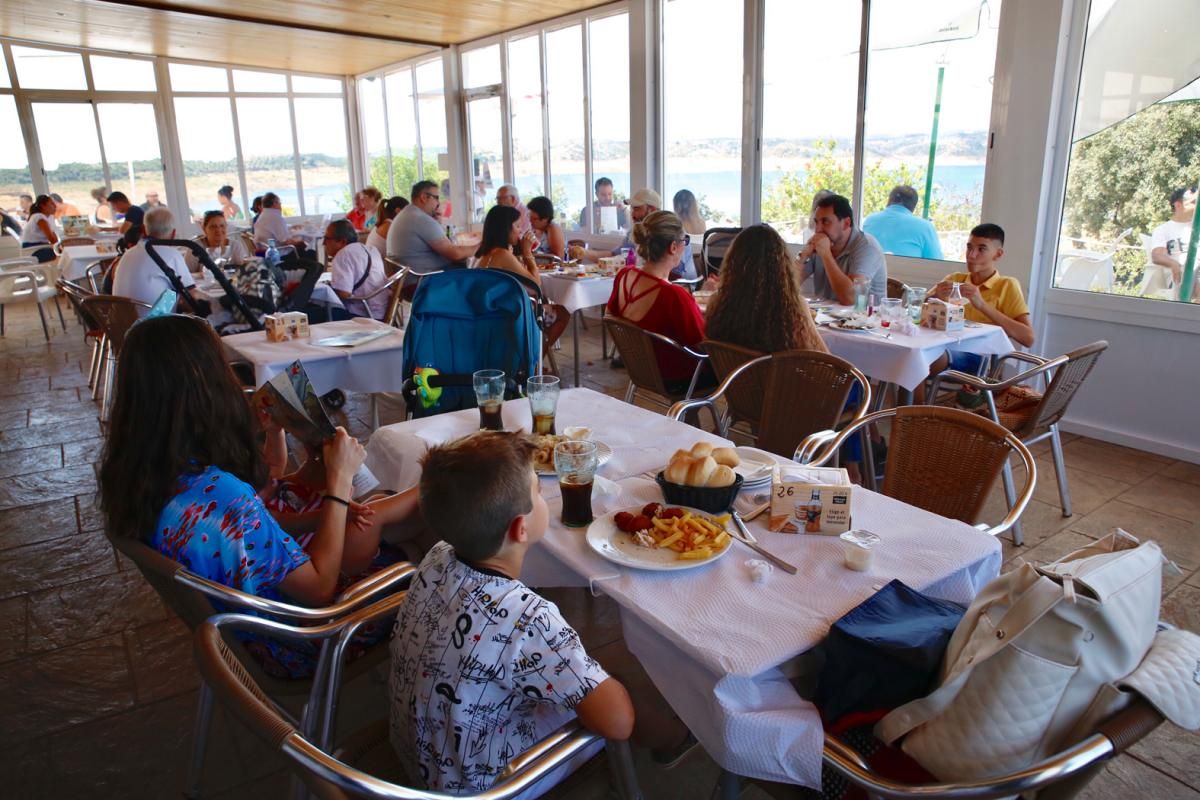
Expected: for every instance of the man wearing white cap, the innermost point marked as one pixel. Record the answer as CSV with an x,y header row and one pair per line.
x,y
643,203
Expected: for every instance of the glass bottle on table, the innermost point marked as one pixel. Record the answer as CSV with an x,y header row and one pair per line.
x,y
956,297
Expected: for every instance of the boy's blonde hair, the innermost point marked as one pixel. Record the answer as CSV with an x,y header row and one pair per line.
x,y
472,488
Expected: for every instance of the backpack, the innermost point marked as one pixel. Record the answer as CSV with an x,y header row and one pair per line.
x,y
464,320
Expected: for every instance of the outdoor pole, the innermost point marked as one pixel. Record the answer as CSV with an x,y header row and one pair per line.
x,y
1189,263
937,112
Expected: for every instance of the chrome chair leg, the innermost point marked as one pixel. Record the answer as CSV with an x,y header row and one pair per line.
x,y
629,392
100,364
109,375
1060,470
204,708
92,367
60,315
42,314
729,786
1010,496
621,768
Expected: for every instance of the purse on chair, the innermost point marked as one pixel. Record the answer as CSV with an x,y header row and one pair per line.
x,y
1028,669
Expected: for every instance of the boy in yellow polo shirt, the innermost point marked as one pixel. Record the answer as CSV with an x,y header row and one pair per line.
x,y
991,297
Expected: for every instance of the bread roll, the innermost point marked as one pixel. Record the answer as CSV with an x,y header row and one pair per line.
x,y
677,470
700,471
702,449
681,455
726,456
722,476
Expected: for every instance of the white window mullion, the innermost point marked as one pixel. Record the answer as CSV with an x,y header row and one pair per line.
x,y
387,140
860,121
588,191
237,146
295,150
543,77
416,110
506,154
752,113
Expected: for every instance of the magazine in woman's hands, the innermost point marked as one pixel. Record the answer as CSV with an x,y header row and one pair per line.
x,y
291,401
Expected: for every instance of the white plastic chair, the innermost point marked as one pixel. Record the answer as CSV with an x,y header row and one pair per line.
x,y
1090,271
1157,280
24,279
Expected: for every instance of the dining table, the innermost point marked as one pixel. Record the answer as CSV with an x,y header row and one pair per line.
x,y
75,259
576,292
726,651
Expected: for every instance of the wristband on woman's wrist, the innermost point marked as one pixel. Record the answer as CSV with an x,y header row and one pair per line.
x,y
336,499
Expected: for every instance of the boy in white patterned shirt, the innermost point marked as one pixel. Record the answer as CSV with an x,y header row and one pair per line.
x,y
482,666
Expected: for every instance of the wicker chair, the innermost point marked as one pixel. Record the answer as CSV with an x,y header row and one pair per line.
x,y
330,776
943,460
195,599
115,316
93,332
637,349
72,242
1037,421
1063,774
784,397
897,289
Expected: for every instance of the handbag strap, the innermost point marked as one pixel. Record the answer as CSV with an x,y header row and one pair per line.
x,y
1029,607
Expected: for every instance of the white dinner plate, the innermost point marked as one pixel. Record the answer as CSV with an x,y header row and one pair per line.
x,y
617,546
603,454
757,466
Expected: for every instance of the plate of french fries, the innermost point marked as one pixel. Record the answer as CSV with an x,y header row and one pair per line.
x,y
660,537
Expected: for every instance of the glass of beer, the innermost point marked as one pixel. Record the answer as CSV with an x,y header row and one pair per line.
x,y
543,401
575,463
489,395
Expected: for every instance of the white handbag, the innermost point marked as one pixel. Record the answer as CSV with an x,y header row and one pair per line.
x,y
1029,669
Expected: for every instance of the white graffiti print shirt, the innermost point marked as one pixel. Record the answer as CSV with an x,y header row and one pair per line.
x,y
482,669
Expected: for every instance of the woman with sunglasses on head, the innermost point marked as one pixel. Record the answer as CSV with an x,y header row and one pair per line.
x,y
646,297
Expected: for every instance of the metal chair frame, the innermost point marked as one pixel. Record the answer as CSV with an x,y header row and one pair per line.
x,y
100,307
1041,425
820,447
618,327
706,257
1112,738
40,277
326,774
203,599
771,361
93,332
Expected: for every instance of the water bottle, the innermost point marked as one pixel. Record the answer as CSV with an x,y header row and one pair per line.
x,y
956,297
272,255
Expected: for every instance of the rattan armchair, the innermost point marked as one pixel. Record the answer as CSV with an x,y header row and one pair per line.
x,y
784,397
1061,377
897,289
115,316
1059,776
943,460
637,349
93,332
331,776
196,599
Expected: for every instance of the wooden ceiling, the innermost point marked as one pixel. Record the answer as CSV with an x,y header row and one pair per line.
x,y
334,37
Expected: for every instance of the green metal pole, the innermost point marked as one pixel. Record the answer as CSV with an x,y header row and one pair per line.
x,y
1189,263
937,112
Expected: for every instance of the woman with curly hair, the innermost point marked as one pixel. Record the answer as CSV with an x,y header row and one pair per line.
x,y
758,304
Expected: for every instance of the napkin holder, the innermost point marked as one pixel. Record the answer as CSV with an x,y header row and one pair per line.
x,y
942,316
811,500
286,326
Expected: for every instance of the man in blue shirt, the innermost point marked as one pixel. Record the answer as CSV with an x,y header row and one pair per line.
x,y
901,233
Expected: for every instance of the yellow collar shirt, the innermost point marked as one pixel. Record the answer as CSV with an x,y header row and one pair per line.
x,y
1001,292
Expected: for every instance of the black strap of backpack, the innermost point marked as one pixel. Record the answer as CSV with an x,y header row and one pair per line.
x,y
366,273
176,284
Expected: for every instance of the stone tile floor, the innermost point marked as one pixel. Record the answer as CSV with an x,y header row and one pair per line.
x,y
97,687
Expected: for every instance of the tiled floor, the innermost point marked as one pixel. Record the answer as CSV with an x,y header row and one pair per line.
x,y
97,687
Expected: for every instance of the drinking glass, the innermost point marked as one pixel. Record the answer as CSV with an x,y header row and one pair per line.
x,y
891,311
489,395
916,299
862,290
543,401
575,463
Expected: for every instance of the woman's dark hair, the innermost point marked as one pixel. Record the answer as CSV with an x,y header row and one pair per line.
x,y
392,207
211,215
542,207
496,227
178,409
41,200
256,204
226,192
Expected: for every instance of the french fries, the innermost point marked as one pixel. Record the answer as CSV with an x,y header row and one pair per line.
x,y
692,537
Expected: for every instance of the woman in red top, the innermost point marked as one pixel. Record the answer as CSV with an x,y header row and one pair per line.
x,y
645,297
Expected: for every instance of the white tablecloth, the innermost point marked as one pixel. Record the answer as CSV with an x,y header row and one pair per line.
x,y
905,360
576,294
75,260
376,366
717,645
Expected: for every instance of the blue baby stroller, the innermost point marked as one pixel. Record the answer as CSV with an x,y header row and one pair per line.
x,y
465,320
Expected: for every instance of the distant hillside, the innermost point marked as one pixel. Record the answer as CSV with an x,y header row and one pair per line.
x,y
971,145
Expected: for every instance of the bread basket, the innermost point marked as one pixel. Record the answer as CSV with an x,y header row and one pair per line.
x,y
712,499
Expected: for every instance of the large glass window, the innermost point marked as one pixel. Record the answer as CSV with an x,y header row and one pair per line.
x,y
564,102
324,166
206,144
810,92
487,153
609,83
402,131
266,132
248,81
48,69
525,125
122,74
1129,211
130,137
70,152
193,78
14,167
431,119
703,108
929,100
374,130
